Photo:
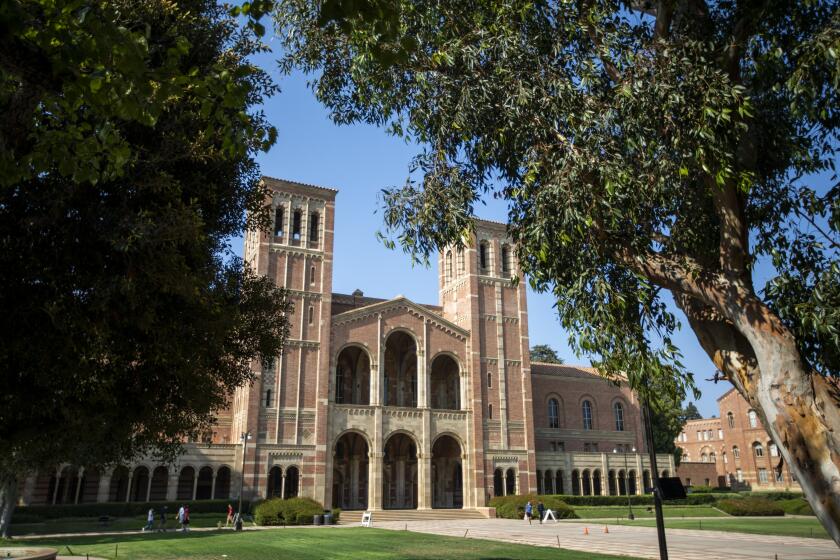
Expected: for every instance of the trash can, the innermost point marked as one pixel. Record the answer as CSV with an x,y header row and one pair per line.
x,y
328,519
318,520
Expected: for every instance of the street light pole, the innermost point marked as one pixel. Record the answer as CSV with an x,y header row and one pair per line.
x,y
244,438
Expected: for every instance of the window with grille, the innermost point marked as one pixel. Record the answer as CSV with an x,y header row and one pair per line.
x,y
553,413
586,409
619,417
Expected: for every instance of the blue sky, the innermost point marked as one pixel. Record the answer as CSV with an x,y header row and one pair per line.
x,y
361,160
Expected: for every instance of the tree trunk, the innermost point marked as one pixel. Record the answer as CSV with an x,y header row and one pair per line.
x,y
800,409
8,501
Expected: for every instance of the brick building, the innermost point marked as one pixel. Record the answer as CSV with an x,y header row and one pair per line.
x,y
391,404
736,445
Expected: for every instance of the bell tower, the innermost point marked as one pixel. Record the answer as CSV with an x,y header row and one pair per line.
x,y
481,290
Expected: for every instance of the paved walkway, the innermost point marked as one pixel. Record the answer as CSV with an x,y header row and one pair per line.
x,y
641,542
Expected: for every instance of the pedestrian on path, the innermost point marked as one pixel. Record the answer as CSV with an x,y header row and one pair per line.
x,y
150,520
162,520
229,515
529,511
181,518
187,518
540,510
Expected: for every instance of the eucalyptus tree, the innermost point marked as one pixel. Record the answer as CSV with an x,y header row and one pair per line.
x,y
128,132
647,151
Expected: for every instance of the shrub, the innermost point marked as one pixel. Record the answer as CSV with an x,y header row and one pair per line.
x,y
336,513
642,500
26,517
702,489
122,509
513,507
293,511
796,506
750,506
775,496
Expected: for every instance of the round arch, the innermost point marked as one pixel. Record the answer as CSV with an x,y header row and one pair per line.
x,y
447,473
399,471
445,382
593,412
350,469
399,368
352,374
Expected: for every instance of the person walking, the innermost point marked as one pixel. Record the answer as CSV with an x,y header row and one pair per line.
x,y
181,518
229,515
529,511
540,511
150,520
162,520
187,518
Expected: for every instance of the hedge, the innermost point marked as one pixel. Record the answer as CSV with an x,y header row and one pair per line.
x,y
513,507
796,506
118,509
750,506
773,495
293,511
642,500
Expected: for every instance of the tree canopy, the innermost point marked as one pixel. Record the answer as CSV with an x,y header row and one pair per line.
x,y
645,150
127,137
545,353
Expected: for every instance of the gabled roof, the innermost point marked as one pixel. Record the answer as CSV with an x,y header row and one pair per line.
x,y
297,183
726,394
400,301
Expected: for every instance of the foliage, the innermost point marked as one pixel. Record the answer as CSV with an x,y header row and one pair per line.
x,y
795,506
292,511
644,499
127,143
750,506
513,507
690,412
546,354
774,495
703,490
24,514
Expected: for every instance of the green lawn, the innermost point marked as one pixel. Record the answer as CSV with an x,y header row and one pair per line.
x,y
612,512
302,544
92,525
787,526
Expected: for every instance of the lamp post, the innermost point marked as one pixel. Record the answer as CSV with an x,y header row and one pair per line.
x,y
630,515
244,439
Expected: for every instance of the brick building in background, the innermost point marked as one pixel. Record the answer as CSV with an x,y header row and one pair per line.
x,y
738,448
392,404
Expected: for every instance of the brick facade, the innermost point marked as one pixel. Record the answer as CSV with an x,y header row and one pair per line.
x,y
387,403
737,445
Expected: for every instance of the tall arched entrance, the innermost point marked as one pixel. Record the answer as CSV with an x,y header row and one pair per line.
x,y
400,387
445,384
399,473
352,376
447,474
350,472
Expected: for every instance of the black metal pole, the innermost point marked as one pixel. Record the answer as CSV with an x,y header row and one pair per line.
x,y
657,492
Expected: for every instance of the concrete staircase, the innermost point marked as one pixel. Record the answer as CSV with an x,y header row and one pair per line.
x,y
355,517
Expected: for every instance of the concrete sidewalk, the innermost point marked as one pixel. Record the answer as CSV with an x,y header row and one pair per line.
x,y
640,542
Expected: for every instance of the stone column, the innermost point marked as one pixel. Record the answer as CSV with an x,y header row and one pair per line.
x,y
172,486
195,483
79,475
425,499
375,480
128,489
213,485
353,482
423,400
28,489
283,484
605,476
104,488
149,485
639,475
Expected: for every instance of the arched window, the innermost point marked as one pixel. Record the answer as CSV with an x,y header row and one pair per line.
x,y
505,260
753,418
725,458
484,256
313,226
736,452
553,413
586,409
460,260
449,265
712,457
758,449
704,458
296,225
730,419
619,417
278,221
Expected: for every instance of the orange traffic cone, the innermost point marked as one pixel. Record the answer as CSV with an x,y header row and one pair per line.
x,y
606,529
586,530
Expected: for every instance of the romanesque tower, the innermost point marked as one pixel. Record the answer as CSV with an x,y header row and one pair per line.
x,y
482,290
284,410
